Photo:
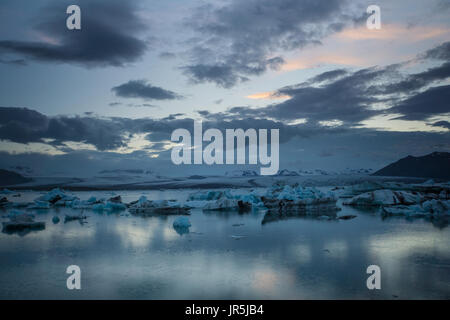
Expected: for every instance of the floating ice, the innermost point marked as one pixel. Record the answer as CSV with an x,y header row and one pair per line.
x,y
181,222
42,205
55,195
160,207
209,195
286,197
21,222
386,198
222,204
435,208
80,217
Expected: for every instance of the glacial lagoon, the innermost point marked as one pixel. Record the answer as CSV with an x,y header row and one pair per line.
x,y
224,255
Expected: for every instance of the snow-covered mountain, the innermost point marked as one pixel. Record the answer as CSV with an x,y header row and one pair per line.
x,y
241,173
286,173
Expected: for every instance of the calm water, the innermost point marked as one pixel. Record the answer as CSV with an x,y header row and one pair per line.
x,y
129,257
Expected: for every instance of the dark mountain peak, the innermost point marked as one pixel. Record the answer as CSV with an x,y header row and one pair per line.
x,y
434,165
8,178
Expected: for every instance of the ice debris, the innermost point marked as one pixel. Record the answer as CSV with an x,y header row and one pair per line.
x,y
21,222
435,208
385,198
181,225
80,217
428,199
181,222
224,200
298,198
159,207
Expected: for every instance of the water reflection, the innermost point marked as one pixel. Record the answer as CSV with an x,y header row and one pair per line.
x,y
292,257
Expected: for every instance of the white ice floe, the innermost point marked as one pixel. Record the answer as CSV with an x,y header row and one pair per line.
x,y
435,208
162,207
42,205
222,204
385,198
224,200
182,225
278,195
209,195
21,221
181,222
55,195
108,206
273,197
79,217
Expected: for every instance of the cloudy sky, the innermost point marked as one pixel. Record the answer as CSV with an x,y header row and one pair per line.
x,y
109,95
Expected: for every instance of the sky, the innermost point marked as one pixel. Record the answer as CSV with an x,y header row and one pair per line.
x,y
108,96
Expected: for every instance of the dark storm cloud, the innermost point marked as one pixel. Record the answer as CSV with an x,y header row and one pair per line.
x,y
26,116
223,75
110,133
24,126
167,55
432,102
441,52
328,76
442,124
107,35
173,116
333,95
416,81
17,62
352,97
242,38
143,89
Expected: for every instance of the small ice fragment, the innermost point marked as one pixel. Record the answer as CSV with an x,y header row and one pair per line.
x,y
181,222
181,225
347,217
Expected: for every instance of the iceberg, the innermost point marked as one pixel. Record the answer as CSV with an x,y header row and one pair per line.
x,y
209,195
108,206
181,225
55,195
40,205
434,208
79,217
21,222
181,222
223,200
385,198
157,207
293,198
113,204
222,204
